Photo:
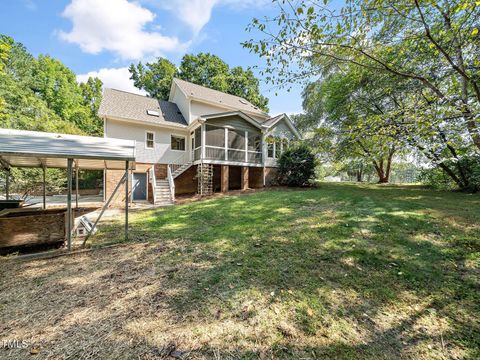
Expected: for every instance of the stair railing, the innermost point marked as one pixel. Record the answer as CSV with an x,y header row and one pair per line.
x,y
180,161
153,181
171,182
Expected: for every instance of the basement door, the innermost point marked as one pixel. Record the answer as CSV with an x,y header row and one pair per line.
x,y
139,184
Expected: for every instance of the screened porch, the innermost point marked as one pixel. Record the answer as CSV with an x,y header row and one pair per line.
x,y
225,144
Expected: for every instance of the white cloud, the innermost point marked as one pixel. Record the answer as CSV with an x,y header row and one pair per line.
x,y
117,78
117,26
197,13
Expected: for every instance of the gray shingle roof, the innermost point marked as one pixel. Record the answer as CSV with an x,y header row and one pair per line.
x,y
214,96
121,104
272,120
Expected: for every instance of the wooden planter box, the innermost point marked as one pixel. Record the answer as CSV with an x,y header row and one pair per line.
x,y
27,227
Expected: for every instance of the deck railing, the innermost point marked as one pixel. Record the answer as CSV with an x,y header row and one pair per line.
x,y
233,155
180,161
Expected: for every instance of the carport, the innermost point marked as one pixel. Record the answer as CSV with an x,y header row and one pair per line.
x,y
19,148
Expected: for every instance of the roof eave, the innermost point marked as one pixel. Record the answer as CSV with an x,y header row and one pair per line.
x,y
141,122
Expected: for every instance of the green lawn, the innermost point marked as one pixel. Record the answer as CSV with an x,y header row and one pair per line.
x,y
343,271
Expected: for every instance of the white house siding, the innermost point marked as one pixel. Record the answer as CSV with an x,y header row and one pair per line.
x,y
198,109
160,154
282,130
183,104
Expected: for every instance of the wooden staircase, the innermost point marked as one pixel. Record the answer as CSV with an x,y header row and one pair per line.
x,y
177,171
163,195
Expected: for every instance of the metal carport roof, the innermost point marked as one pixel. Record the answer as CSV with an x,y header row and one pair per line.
x,y
20,148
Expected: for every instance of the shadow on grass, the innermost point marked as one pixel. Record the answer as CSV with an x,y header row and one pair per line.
x,y
340,272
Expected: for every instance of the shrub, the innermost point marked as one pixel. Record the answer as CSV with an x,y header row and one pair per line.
x,y
437,178
296,166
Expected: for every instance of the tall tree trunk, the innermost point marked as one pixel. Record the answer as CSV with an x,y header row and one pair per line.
x,y
360,174
382,177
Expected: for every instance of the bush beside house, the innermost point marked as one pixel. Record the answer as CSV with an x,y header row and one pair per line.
x,y
296,166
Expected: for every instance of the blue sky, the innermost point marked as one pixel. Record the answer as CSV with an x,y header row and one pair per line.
x,y
102,37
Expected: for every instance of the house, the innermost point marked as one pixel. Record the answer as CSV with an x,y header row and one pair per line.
x,y
199,141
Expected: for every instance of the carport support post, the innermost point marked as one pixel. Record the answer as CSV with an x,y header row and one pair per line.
x,y
126,199
76,186
69,204
44,188
7,184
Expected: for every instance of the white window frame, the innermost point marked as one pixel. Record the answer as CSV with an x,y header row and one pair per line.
x,y
146,139
180,136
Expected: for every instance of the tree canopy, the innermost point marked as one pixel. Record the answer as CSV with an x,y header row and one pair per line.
x,y
414,64
43,94
203,69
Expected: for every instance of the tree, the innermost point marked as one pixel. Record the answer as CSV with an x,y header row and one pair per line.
x,y
155,78
203,69
42,94
423,53
91,98
341,104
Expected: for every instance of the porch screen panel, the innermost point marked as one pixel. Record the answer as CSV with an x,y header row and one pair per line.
x,y
236,139
254,142
198,137
215,136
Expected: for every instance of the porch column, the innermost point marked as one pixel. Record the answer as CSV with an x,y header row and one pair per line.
x,y
224,178
246,150
245,174
226,144
202,134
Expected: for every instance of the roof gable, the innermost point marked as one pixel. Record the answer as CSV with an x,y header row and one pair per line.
x,y
272,122
214,97
234,113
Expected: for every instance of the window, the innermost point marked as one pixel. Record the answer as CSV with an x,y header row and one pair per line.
x,y
270,150
177,143
149,140
278,148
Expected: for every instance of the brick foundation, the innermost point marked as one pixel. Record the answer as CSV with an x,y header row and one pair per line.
x,y
187,182
161,171
112,177
271,176
255,177
225,178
